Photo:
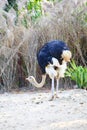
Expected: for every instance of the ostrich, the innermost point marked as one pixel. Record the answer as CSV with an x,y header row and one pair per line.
x,y
52,59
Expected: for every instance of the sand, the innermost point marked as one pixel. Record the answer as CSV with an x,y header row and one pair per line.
x,y
34,111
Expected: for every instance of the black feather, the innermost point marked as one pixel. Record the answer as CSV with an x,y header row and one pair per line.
x,y
49,50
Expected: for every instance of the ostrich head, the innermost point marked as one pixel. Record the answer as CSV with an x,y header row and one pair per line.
x,y
66,55
31,79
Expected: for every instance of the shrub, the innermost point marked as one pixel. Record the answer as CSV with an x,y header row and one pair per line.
x,y
34,8
77,74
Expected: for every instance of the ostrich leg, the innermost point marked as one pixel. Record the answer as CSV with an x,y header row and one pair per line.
x,y
57,86
52,90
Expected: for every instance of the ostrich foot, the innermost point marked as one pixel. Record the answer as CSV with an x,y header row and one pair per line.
x,y
56,96
51,99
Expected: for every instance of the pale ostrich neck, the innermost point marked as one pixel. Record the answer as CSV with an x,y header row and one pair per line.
x,y
39,85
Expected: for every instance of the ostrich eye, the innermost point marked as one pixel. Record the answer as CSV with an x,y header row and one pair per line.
x,y
30,78
55,67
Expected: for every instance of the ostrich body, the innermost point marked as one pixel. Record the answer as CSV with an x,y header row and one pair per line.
x,y
52,59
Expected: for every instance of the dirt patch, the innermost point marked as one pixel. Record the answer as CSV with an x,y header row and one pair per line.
x,y
34,111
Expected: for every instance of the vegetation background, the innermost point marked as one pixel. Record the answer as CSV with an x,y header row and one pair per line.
x,y
25,25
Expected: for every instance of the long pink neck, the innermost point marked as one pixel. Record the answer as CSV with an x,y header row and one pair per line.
x,y
39,85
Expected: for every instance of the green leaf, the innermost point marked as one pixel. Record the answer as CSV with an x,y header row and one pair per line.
x,y
77,74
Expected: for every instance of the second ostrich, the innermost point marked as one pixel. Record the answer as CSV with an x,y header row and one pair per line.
x,y
52,59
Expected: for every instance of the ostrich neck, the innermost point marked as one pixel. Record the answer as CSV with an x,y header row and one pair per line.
x,y
39,85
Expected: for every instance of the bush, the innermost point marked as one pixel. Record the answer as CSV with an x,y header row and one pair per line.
x,y
77,74
34,8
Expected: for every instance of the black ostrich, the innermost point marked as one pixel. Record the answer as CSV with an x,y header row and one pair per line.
x,y
52,59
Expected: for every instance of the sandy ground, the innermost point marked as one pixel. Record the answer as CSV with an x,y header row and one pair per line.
x,y
33,111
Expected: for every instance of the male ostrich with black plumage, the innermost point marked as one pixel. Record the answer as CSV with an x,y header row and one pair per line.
x,y
52,59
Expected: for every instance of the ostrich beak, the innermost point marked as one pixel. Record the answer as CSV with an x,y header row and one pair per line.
x,y
26,78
